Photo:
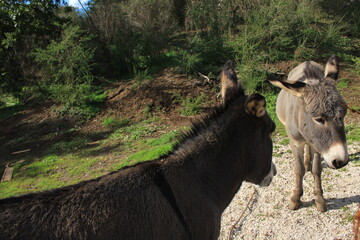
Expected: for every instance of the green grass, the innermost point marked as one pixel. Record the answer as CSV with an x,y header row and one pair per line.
x,y
352,133
271,109
343,83
190,106
155,148
70,161
111,122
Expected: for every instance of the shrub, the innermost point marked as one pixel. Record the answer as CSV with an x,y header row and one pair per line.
x,y
284,30
66,73
152,23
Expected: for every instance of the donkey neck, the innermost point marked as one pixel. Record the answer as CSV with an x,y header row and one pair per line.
x,y
213,152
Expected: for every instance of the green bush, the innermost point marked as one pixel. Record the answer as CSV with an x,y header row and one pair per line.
x,y
67,61
66,74
82,101
281,30
203,54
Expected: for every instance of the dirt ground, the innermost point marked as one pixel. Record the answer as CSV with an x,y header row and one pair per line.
x,y
262,213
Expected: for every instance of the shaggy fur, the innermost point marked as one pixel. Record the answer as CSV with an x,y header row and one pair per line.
x,y
180,196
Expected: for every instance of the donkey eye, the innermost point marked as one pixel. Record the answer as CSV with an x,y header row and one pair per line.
x,y
320,120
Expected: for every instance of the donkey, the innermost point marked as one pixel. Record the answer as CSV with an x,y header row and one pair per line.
x,y
313,112
179,196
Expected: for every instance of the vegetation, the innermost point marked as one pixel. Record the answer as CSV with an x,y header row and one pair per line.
x,y
190,106
53,52
73,160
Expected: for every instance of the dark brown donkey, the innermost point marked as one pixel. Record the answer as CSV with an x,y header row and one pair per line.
x,y
313,112
180,196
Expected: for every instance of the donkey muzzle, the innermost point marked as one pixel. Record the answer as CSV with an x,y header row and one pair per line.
x,y
337,156
268,178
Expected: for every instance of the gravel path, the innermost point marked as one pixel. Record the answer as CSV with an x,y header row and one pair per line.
x,y
263,212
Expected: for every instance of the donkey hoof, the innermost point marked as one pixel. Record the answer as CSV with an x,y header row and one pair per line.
x,y
294,205
321,207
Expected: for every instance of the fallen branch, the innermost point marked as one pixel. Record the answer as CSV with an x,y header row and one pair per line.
x,y
93,143
204,76
232,229
22,151
351,109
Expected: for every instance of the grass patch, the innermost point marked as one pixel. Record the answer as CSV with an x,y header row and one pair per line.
x,y
155,148
73,160
48,173
271,109
343,83
190,106
352,133
66,147
113,123
134,132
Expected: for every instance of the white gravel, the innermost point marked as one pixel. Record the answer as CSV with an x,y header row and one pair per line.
x,y
262,213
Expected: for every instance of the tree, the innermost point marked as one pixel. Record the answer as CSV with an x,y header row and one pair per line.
x,y
24,25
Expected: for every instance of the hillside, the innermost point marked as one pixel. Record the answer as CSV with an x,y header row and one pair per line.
x,y
48,151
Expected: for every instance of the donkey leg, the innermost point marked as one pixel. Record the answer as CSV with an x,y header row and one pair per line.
x,y
318,192
307,158
299,170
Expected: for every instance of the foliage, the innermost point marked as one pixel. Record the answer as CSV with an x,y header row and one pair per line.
x,y
356,61
190,106
24,25
66,61
66,73
347,11
133,33
284,30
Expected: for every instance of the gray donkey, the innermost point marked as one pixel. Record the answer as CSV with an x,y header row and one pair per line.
x,y
313,112
179,196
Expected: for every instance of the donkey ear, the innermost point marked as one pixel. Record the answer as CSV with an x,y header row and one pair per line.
x,y
332,68
296,88
255,105
230,86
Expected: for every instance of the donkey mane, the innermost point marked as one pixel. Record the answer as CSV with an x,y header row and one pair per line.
x,y
199,126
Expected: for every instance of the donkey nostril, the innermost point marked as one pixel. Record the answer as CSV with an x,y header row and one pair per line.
x,y
339,164
335,164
